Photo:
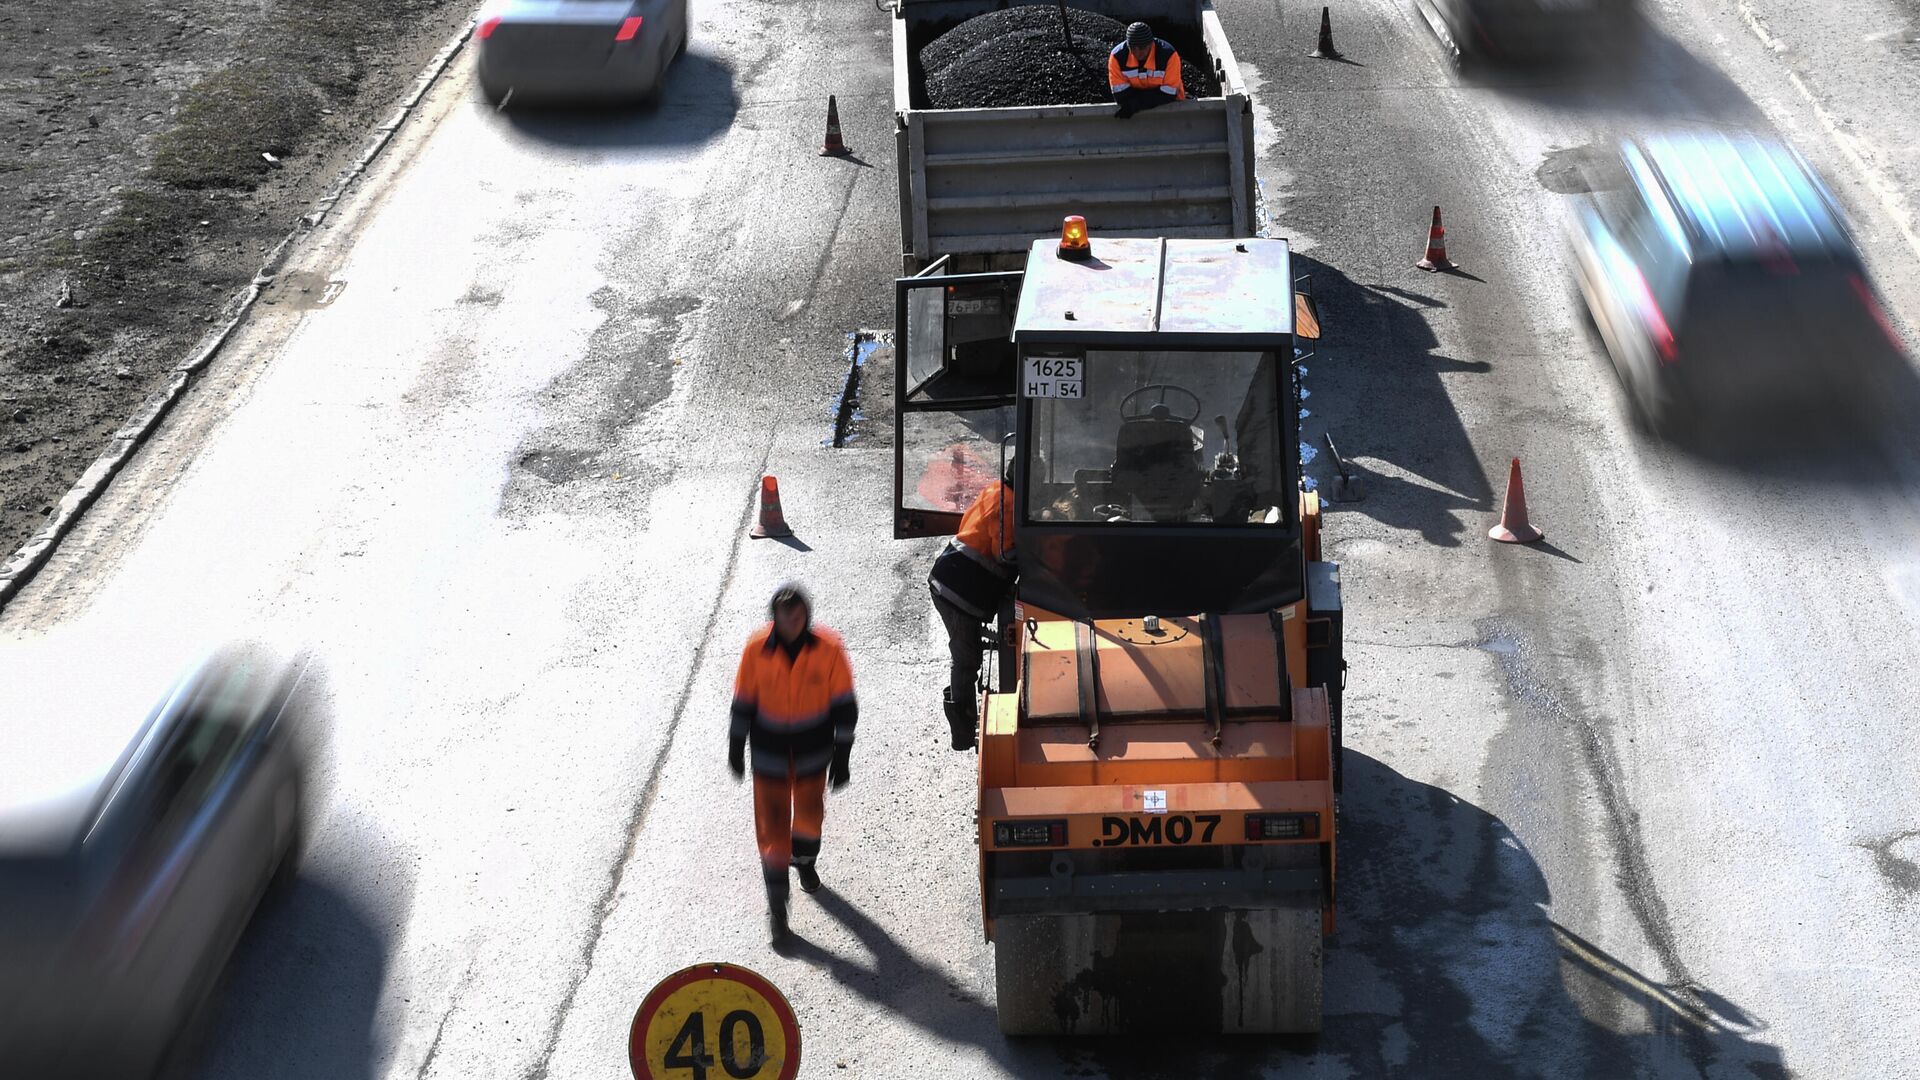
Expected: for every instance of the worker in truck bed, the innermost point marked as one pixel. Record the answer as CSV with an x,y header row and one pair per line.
x,y
969,579
1143,72
793,698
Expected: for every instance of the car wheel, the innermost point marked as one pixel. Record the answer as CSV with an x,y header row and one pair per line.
x,y
495,95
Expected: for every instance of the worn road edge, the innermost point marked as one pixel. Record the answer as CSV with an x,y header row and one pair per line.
x,y
32,555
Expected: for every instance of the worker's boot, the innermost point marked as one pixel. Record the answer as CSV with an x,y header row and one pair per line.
x,y
961,718
777,907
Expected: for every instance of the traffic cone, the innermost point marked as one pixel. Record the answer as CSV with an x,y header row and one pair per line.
x,y
772,522
834,147
1514,527
1436,259
1325,50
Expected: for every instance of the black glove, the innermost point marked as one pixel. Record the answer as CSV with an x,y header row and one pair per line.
x,y
837,774
737,758
1125,110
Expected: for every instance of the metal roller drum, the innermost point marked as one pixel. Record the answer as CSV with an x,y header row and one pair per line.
x,y
1147,972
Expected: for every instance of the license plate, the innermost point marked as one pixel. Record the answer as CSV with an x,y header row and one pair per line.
x,y
1152,830
976,305
1053,377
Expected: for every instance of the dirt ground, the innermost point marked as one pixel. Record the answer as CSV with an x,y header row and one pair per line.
x,y
137,198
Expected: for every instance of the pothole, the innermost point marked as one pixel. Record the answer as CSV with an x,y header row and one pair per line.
x,y
557,466
1578,170
1897,857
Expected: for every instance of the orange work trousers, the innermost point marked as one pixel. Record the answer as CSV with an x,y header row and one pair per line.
x,y
787,814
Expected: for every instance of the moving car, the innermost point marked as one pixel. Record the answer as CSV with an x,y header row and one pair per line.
x,y
1722,280
1523,30
133,854
578,50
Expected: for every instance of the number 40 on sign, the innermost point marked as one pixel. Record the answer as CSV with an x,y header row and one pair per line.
x,y
714,1021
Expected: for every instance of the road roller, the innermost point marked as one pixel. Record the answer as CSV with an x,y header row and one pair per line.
x,y
1159,740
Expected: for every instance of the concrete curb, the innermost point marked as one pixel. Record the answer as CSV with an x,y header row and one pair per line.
x,y
20,568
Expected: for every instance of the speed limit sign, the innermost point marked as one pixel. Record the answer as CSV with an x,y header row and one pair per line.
x,y
714,1022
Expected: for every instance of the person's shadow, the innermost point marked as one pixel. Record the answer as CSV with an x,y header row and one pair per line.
x,y
1446,963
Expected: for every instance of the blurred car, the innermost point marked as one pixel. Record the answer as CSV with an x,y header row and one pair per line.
x,y
1523,30
578,50
132,856
1723,281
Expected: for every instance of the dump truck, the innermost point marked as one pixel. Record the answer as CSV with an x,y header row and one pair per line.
x,y
1159,743
977,185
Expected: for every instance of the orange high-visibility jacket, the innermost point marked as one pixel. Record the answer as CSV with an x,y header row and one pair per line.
x,y
1126,71
987,525
972,572
794,706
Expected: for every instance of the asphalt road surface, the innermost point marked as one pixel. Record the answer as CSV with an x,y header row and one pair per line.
x,y
1639,801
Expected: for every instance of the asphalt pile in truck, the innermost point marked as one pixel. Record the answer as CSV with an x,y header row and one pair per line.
x,y
1016,56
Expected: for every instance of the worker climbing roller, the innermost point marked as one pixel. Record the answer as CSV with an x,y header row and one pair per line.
x,y
969,579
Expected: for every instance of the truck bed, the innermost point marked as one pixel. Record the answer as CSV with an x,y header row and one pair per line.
x,y
980,185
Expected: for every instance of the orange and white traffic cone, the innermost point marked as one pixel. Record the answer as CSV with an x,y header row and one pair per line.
x,y
834,146
772,522
1514,528
1436,259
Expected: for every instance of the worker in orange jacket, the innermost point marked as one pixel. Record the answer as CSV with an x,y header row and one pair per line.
x,y
969,579
1144,72
793,701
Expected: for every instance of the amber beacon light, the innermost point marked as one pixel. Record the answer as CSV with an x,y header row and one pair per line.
x,y
1073,239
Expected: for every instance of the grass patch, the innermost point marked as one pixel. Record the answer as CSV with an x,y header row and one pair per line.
x,y
227,120
147,224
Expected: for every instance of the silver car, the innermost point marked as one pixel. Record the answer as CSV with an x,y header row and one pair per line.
x,y
578,50
132,856
1723,282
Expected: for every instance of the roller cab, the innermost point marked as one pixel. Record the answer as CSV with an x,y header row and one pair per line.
x,y
1157,769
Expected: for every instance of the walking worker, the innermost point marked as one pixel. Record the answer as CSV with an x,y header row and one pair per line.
x,y
793,700
969,579
1143,72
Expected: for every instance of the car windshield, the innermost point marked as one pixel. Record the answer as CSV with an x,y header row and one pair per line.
x,y
1191,438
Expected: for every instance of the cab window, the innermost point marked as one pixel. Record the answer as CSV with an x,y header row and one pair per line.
x,y
1166,438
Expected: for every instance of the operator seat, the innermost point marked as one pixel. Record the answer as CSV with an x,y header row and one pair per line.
x,y
1156,460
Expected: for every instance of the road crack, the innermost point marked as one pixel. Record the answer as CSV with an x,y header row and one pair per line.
x,y
649,791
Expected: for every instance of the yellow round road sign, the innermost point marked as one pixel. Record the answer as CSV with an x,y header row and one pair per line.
x,y
714,1022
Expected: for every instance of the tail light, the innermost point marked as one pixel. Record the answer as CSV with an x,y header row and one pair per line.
x,y
1872,304
1283,827
1657,327
1029,834
487,27
628,29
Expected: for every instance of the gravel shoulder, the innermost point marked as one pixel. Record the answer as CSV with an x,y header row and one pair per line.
x,y
151,154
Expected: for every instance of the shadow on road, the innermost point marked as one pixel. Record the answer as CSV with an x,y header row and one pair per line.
x,y
1376,386
1647,77
697,105
1446,953
1446,962
301,997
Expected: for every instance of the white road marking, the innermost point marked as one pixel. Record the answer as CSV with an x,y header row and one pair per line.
x,y
1850,145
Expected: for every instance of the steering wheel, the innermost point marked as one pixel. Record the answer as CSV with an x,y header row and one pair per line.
x,y
1159,410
